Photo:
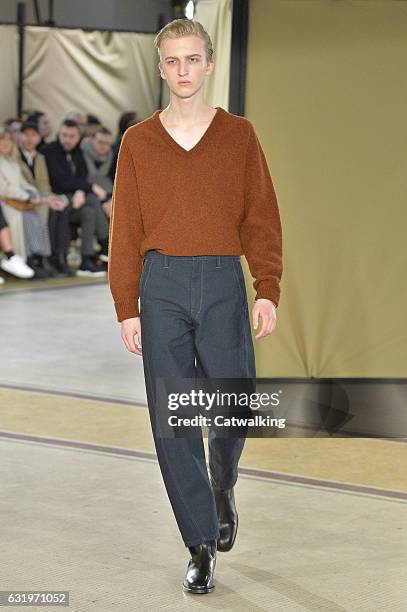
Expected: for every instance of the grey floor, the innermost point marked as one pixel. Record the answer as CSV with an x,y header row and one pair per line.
x,y
69,340
105,533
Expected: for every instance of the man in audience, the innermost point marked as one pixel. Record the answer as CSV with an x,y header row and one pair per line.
x,y
126,120
68,175
92,124
44,127
80,119
54,209
98,154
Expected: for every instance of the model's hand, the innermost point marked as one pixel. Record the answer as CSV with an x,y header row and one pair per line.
x,y
131,327
267,311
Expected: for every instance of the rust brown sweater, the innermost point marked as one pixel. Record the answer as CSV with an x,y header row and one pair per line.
x,y
217,198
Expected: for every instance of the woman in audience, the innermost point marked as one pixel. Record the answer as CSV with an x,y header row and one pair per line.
x,y
16,192
14,125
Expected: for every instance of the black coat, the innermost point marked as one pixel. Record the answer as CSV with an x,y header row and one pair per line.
x,y
60,174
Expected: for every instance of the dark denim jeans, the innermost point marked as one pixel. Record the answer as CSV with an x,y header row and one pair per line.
x,y
194,323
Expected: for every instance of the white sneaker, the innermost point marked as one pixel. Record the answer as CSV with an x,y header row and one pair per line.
x,y
17,267
1,280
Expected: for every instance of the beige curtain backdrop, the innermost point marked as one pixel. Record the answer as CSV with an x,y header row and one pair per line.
x,y
216,17
9,71
326,92
104,73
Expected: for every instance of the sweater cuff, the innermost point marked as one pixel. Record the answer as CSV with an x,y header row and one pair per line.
x,y
127,309
269,291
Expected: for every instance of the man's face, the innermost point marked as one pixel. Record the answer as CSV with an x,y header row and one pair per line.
x,y
184,59
68,137
6,144
102,143
44,126
30,139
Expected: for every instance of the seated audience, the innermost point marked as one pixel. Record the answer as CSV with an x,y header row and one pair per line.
x,y
68,175
53,207
16,192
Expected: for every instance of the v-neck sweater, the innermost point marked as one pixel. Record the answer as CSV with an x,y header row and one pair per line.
x,y
216,198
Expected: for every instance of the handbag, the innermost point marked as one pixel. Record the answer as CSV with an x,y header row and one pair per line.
x,y
18,204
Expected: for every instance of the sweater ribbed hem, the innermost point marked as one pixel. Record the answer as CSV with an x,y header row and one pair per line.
x,y
269,291
126,309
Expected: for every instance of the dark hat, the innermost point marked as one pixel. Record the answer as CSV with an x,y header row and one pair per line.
x,y
29,125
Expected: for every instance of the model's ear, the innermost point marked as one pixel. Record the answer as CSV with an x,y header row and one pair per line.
x,y
161,71
210,67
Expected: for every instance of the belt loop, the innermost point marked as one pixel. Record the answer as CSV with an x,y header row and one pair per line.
x,y
165,261
218,261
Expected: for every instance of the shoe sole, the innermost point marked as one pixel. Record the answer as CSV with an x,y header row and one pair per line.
x,y
23,276
88,273
198,592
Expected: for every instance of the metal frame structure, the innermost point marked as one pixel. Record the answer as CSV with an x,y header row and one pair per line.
x,y
239,38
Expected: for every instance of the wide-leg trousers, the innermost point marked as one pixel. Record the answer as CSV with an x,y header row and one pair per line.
x,y
194,323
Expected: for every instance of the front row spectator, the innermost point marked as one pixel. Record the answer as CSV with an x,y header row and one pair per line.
x,y
18,200
98,154
80,119
68,175
52,207
125,121
92,124
12,263
44,127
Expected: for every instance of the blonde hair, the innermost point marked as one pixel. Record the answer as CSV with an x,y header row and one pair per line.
x,y
4,129
184,27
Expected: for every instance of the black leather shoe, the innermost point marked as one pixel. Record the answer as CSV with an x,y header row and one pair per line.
x,y
60,262
199,575
34,261
49,267
227,516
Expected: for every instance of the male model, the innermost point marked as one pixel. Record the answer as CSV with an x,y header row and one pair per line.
x,y
192,193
